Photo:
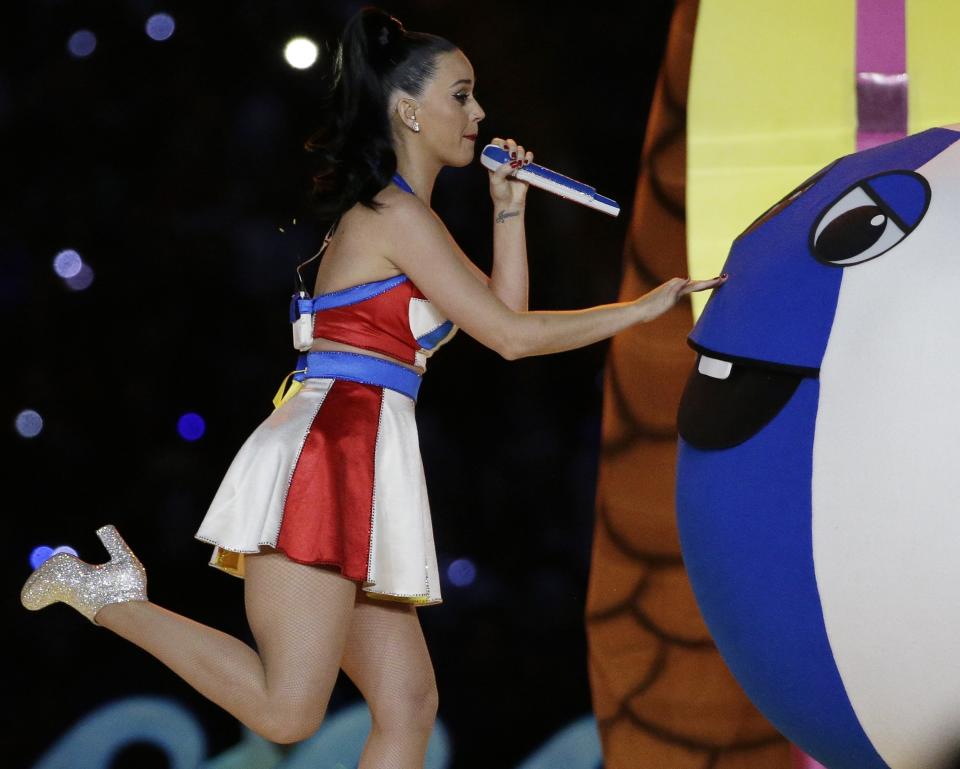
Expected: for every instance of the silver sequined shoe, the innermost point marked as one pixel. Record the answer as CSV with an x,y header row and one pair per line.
x,y
85,586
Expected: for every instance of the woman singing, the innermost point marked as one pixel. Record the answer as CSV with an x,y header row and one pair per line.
x,y
323,511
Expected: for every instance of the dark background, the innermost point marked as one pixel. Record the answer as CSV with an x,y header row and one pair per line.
x,y
171,166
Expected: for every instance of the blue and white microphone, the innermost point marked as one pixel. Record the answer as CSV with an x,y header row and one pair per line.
x,y
493,157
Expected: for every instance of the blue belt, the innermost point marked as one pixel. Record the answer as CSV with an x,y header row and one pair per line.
x,y
367,369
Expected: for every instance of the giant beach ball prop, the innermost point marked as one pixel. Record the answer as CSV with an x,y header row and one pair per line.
x,y
818,478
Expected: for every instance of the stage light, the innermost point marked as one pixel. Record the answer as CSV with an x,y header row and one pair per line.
x,y
191,426
67,263
38,555
300,53
41,553
82,279
82,43
28,423
462,572
160,26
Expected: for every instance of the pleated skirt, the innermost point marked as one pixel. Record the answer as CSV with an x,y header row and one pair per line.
x,y
334,478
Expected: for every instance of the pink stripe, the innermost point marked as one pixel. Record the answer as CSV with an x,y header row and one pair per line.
x,y
802,761
881,44
881,72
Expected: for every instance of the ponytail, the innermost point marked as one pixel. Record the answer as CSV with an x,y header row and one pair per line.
x,y
353,144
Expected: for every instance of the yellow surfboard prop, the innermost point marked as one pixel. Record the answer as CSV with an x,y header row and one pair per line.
x,y
772,100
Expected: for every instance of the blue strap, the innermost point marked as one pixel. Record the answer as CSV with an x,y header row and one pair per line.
x,y
429,340
301,367
402,183
304,307
353,294
367,369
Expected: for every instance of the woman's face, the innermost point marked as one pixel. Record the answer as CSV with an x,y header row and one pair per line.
x,y
448,112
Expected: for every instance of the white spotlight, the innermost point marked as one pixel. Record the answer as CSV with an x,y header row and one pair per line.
x,y
300,53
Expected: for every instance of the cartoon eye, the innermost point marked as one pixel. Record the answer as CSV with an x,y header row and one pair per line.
x,y
870,218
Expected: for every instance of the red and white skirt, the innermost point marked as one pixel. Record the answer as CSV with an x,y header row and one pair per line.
x,y
334,477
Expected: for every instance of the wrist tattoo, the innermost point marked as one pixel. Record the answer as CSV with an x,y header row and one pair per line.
x,y
502,216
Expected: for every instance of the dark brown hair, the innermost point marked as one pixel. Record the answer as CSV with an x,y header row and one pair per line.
x,y
374,56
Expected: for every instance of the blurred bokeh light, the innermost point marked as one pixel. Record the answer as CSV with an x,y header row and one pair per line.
x,y
82,279
300,53
160,27
82,43
41,553
28,423
191,426
462,572
67,264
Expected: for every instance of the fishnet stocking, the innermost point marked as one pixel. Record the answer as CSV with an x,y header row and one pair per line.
x,y
386,657
305,620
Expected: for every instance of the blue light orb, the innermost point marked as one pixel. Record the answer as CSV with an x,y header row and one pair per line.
x,y
38,555
462,572
160,26
82,279
28,423
67,264
191,426
42,553
82,43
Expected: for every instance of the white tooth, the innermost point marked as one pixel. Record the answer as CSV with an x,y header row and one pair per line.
x,y
718,369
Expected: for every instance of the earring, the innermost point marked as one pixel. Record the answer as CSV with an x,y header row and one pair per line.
x,y
416,126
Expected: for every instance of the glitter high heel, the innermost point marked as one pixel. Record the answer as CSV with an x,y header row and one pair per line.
x,y
85,586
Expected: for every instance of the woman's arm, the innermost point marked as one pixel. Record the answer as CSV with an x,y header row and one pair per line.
x,y
508,281
508,278
431,258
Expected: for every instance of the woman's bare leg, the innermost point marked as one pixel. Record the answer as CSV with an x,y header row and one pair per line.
x,y
387,658
300,617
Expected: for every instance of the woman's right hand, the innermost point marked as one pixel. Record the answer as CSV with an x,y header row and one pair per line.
x,y
665,296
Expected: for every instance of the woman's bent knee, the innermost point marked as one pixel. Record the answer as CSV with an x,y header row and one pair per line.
x,y
288,725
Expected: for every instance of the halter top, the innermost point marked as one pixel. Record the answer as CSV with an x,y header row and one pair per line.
x,y
391,316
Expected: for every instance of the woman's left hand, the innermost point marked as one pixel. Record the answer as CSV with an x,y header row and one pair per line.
x,y
504,189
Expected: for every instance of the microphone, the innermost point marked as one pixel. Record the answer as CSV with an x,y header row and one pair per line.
x,y
493,157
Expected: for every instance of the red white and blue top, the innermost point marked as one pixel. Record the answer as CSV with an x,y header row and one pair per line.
x,y
390,316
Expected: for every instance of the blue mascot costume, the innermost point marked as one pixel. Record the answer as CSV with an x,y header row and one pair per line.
x,y
818,482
